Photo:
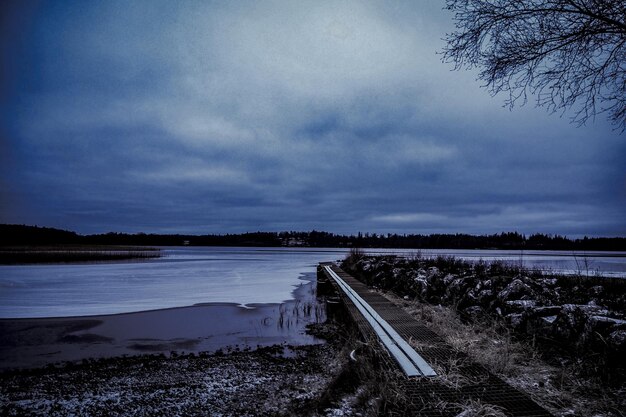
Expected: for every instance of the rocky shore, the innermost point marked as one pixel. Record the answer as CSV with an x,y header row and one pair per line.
x,y
269,381
577,318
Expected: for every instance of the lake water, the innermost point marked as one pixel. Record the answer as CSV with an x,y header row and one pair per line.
x,y
187,276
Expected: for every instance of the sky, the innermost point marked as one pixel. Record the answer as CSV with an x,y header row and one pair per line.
x,y
226,117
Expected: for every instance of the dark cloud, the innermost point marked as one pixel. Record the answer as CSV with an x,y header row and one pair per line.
x,y
201,118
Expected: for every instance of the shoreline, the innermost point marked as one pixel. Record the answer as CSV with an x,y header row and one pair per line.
x,y
74,254
124,313
207,327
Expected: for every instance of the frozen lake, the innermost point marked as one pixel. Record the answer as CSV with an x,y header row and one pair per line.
x,y
187,276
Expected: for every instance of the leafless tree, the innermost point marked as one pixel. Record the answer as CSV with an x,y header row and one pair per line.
x,y
569,54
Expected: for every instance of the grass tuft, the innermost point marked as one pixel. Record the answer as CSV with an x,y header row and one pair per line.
x,y
474,408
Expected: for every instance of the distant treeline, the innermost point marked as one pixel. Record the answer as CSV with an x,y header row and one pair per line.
x,y
16,235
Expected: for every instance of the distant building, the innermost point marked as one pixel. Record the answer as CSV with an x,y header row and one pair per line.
x,y
292,241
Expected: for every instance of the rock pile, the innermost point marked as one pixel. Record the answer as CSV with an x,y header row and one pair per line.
x,y
578,313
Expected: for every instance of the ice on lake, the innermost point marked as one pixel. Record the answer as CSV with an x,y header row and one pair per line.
x,y
187,276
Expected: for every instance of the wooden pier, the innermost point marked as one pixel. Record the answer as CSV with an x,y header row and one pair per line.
x,y
445,381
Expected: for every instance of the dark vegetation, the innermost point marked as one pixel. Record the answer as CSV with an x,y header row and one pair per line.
x,y
15,255
16,235
570,320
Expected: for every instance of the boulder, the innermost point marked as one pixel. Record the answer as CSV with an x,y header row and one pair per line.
x,y
471,294
419,276
397,273
570,323
521,305
582,323
546,311
364,264
458,285
540,320
516,290
456,290
549,320
547,282
485,297
588,309
449,278
420,282
601,324
433,270
474,312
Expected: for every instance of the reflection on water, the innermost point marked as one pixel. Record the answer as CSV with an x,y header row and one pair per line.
x,y
193,275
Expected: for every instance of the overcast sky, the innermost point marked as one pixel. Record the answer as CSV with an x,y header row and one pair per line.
x,y
218,117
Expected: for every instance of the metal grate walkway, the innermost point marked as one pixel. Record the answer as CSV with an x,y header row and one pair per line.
x,y
459,380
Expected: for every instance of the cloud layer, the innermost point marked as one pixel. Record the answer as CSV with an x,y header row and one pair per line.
x,y
231,117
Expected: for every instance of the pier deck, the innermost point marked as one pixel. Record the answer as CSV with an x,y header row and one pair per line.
x,y
455,379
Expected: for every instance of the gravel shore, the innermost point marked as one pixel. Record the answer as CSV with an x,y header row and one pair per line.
x,y
268,381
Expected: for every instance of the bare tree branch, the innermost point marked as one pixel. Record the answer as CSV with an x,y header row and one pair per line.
x,y
569,54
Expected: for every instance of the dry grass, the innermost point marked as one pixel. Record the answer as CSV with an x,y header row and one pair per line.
x,y
478,409
488,344
451,373
470,408
558,389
